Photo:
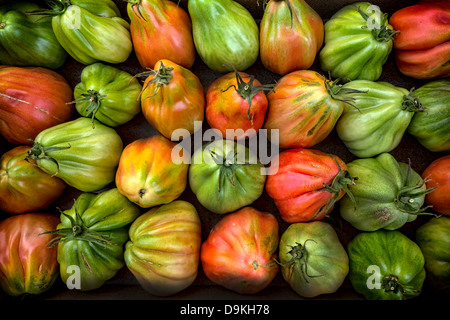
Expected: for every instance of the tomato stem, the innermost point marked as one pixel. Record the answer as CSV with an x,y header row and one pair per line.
x,y
338,92
94,99
39,152
161,77
411,103
383,33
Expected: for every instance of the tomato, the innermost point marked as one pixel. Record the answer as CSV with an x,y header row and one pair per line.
x,y
147,175
225,176
27,264
23,186
432,127
241,250
358,41
225,34
90,31
26,40
83,155
173,99
32,99
291,34
236,102
165,24
433,238
383,113
437,175
164,248
91,238
422,48
307,183
387,195
312,258
386,265
304,107
108,94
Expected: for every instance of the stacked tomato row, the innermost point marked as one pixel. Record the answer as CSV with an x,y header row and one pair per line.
x,y
128,210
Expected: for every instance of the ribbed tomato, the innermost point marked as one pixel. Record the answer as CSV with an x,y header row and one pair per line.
x,y
32,99
437,175
307,184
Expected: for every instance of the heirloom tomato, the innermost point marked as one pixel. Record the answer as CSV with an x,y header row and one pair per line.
x,y
241,250
433,238
147,174
91,236
23,186
107,94
90,31
173,98
28,40
161,29
304,108
236,105
432,127
83,155
387,194
383,113
164,248
437,175
27,265
422,48
226,176
291,35
307,183
358,41
312,258
32,99
386,265
225,34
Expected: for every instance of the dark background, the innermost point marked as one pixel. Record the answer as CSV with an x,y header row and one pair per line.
x,y
125,287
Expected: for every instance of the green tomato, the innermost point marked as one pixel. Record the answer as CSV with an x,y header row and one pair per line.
x,y
358,41
91,238
84,156
27,40
377,118
432,127
433,238
386,195
226,176
386,265
313,260
225,34
110,95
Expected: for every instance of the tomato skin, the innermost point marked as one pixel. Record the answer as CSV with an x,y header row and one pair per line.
x,y
240,251
422,48
313,260
437,175
287,45
23,186
33,99
164,248
228,110
173,105
303,109
298,186
146,174
165,24
27,264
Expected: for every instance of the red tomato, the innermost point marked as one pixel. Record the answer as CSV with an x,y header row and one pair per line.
x,y
236,101
307,183
240,251
422,48
23,186
31,100
437,175
27,264
161,29
172,98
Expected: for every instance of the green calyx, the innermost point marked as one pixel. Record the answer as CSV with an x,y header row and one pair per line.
x,y
162,77
391,284
411,103
56,8
247,90
39,152
299,257
380,31
338,92
95,100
